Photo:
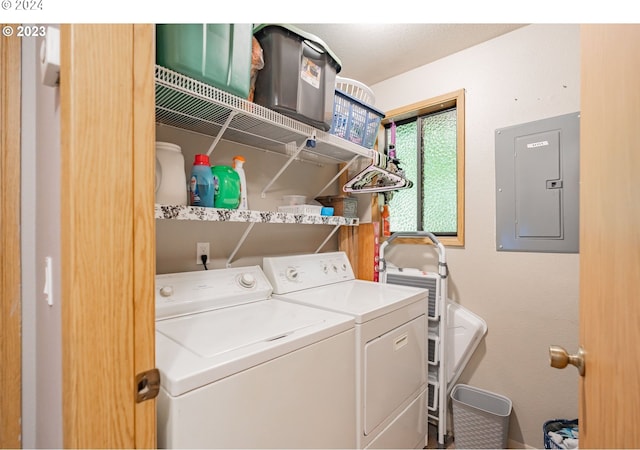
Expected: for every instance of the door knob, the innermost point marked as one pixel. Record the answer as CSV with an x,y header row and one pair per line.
x,y
559,358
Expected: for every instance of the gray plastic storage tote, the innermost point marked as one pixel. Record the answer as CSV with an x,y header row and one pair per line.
x,y
480,418
299,74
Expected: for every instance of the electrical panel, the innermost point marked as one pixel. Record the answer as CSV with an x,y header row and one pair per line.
x,y
537,185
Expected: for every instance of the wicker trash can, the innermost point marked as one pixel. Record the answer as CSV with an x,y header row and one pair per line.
x,y
480,418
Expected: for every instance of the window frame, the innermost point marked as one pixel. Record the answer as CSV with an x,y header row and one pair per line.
x,y
443,102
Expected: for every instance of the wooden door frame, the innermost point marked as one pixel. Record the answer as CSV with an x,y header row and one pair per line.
x,y
107,233
609,235
10,262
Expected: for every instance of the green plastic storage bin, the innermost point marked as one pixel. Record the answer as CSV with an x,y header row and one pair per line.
x,y
216,54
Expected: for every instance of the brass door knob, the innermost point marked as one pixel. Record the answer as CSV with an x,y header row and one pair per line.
x,y
559,358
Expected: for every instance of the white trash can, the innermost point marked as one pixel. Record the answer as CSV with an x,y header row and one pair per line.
x,y
480,418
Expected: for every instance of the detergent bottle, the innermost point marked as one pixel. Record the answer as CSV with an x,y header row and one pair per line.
x,y
238,162
201,187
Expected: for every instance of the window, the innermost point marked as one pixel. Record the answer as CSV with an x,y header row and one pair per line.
x,y
430,147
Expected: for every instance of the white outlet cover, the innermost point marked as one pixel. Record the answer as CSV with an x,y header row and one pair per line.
x,y
202,248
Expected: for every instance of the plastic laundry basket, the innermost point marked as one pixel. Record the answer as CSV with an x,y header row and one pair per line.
x,y
480,418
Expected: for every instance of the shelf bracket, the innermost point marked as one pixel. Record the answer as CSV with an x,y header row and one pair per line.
x,y
327,238
309,142
242,239
338,175
226,124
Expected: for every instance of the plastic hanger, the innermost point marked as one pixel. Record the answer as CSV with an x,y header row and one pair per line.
x,y
380,176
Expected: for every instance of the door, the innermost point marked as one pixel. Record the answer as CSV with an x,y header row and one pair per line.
x,y
107,233
10,302
610,236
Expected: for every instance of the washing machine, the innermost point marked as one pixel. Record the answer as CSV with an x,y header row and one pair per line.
x,y
240,369
390,342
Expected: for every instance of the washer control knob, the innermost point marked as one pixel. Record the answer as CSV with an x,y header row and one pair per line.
x,y
325,268
292,274
335,268
166,291
344,267
247,280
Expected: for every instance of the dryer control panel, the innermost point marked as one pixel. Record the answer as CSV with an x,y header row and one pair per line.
x,y
296,272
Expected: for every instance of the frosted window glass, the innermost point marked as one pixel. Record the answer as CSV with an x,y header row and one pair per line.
x,y
402,207
439,180
434,175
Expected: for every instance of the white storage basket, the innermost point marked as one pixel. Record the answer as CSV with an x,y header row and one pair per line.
x,y
356,89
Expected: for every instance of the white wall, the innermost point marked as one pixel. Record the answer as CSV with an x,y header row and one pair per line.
x,y
28,243
40,229
529,300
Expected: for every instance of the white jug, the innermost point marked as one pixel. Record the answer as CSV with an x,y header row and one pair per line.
x,y
171,181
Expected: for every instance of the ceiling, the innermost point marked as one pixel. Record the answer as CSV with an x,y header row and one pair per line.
x,y
371,53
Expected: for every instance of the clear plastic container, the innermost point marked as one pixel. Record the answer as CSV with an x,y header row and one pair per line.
x,y
313,210
291,200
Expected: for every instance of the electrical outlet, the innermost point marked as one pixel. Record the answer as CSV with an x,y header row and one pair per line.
x,y
202,248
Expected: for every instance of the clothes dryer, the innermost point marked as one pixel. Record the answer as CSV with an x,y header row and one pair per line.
x,y
390,342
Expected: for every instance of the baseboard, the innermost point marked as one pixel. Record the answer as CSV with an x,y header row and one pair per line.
x,y
515,444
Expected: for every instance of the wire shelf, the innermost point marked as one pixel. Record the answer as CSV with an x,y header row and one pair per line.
x,y
186,103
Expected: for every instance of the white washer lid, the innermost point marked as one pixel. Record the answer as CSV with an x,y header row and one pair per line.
x,y
198,349
464,333
365,300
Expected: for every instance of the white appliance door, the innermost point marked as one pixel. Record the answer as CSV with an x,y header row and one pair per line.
x,y
408,430
395,370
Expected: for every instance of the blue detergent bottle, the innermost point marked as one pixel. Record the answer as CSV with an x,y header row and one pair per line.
x,y
201,186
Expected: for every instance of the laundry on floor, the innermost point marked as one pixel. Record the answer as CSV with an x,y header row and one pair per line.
x,y
561,434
